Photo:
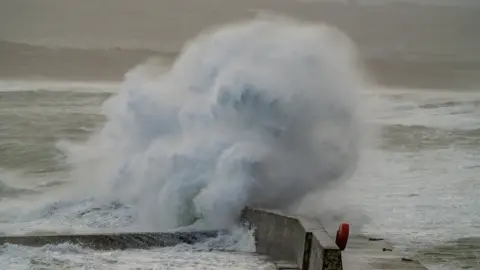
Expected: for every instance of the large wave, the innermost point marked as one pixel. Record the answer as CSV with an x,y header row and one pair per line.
x,y
258,113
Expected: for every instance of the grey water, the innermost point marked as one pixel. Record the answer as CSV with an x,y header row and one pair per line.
x,y
417,185
421,188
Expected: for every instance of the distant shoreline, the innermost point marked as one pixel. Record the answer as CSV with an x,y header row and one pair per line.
x,y
28,62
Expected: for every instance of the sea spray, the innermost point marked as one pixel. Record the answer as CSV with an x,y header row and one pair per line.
x,y
258,113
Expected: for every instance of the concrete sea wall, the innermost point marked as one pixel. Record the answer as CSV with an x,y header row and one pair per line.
x,y
298,239
291,242
108,241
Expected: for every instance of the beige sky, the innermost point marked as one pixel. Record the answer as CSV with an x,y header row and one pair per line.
x,y
438,31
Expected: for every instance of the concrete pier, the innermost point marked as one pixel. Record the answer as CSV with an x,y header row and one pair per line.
x,y
291,242
110,241
306,243
298,239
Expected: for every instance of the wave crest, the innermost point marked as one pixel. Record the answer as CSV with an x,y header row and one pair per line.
x,y
256,113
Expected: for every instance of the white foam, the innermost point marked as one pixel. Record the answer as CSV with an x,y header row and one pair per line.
x,y
257,113
236,253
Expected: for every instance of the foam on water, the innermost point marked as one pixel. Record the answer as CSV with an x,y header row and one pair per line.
x,y
238,241
258,113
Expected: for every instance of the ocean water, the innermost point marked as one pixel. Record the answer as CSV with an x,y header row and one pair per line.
x,y
194,145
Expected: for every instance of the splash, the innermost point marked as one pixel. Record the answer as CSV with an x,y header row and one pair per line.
x,y
258,113
183,256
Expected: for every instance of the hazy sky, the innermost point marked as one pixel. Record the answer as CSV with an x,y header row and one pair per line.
x,y
167,24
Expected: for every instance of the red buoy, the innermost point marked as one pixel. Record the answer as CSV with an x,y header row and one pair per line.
x,y
342,235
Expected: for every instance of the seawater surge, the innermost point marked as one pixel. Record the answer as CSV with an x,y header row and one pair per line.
x,y
258,113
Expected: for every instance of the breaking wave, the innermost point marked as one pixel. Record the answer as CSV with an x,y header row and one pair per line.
x,y
258,113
